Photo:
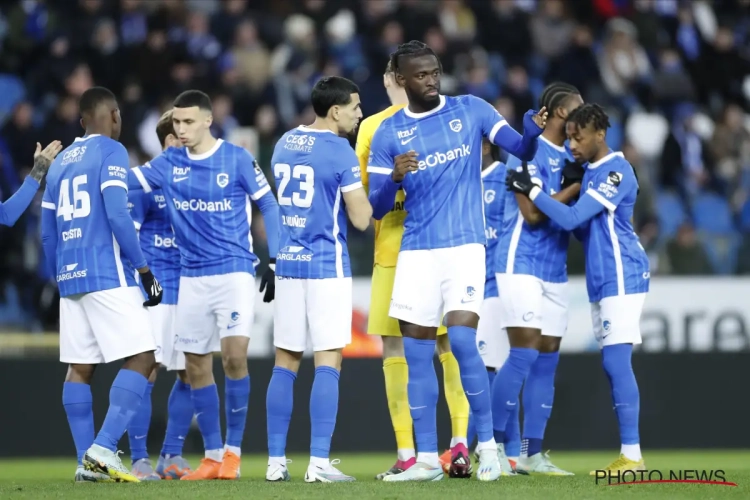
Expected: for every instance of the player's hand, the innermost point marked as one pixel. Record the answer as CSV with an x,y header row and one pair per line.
x,y
572,173
404,164
43,158
519,181
534,122
153,289
268,282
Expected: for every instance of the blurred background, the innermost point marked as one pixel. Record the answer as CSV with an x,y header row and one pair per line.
x,y
673,75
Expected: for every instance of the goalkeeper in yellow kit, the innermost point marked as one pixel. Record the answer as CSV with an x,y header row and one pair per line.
x,y
388,233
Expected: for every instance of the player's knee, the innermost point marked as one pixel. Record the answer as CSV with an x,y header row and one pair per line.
x,y
330,358
616,360
235,364
154,371
549,344
393,347
288,360
462,318
416,331
142,363
182,376
528,338
80,374
443,344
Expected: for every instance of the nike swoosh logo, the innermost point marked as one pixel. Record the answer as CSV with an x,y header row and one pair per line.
x,y
464,301
546,406
517,186
179,179
181,438
235,410
229,327
556,169
198,414
474,393
140,437
416,407
404,142
162,205
510,404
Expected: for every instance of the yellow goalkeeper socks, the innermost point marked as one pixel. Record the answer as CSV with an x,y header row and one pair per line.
x,y
458,405
396,379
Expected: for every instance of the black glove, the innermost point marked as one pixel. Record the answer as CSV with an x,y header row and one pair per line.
x,y
572,174
519,182
153,289
268,282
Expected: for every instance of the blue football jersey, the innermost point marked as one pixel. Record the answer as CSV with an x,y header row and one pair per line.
x,y
616,263
540,250
312,168
88,257
493,184
158,242
208,202
444,196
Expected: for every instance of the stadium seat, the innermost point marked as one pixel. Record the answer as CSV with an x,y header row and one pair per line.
x,y
745,217
671,213
11,92
712,214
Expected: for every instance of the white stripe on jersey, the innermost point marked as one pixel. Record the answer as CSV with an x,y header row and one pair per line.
x,y
351,187
258,194
379,170
495,129
118,262
616,253
51,206
107,184
515,237
137,225
144,183
601,199
249,212
337,244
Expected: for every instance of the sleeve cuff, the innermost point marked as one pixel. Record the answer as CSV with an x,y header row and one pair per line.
x,y
535,191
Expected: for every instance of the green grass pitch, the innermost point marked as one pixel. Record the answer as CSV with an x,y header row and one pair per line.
x,y
53,478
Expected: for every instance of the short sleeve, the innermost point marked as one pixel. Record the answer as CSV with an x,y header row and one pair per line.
x,y
252,178
381,158
138,203
152,174
612,184
115,166
487,117
349,171
47,201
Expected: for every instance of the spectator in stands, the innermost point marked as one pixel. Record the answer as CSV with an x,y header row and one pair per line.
x,y
686,255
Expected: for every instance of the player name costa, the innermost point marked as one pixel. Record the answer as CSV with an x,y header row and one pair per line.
x,y
198,205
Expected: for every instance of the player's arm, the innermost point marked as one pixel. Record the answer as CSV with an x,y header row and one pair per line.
x,y
362,150
495,128
358,207
114,187
16,205
138,205
531,213
151,175
49,231
256,185
385,174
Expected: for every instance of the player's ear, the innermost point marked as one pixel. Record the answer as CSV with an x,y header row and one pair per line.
x,y
335,110
400,80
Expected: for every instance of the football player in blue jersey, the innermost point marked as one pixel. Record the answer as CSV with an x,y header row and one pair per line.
x,y
319,184
208,186
88,237
617,268
16,205
149,213
432,148
532,280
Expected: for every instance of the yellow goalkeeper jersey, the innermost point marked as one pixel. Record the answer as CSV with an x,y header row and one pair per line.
x,y
390,229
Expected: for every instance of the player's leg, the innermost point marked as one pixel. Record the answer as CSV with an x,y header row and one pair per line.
x,y
463,291
78,348
456,461
417,304
289,338
329,313
198,339
395,370
123,331
539,390
616,323
521,313
171,464
235,307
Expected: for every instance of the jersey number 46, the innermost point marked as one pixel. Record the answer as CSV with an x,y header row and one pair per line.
x,y
81,206
304,196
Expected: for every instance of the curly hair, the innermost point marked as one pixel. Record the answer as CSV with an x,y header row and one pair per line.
x,y
590,113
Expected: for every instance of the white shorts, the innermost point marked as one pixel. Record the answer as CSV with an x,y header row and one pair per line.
x,y
322,307
210,308
528,302
492,339
430,283
163,322
617,320
101,327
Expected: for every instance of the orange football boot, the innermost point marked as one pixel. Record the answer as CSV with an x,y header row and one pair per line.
x,y
208,469
230,466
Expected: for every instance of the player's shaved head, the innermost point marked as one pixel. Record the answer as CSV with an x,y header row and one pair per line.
x,y
99,112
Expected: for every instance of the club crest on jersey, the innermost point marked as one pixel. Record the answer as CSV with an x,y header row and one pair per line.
x,y
489,196
222,180
456,125
470,294
606,325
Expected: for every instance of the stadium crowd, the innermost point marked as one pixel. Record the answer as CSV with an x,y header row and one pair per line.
x,y
674,77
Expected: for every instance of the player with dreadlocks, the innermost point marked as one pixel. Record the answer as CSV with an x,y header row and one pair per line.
x,y
532,285
617,268
432,149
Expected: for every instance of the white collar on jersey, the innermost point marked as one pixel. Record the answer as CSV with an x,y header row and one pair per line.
x,y
552,144
207,154
411,114
487,171
313,130
605,159
86,138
